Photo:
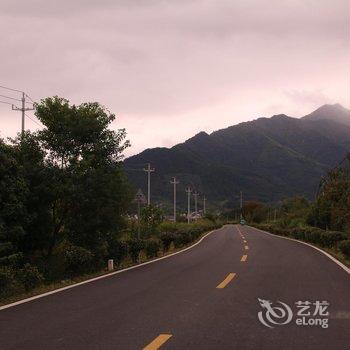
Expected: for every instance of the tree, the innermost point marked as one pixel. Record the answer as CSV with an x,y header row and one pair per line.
x,y
63,195
295,211
151,218
332,207
13,212
254,211
84,157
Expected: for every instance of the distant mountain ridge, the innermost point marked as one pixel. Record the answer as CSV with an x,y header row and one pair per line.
x,y
267,158
334,112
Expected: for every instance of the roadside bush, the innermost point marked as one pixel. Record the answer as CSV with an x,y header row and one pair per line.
x,y
117,250
182,238
30,277
13,260
331,238
134,247
7,282
170,227
167,238
178,240
310,234
77,259
313,234
6,248
196,232
344,247
152,248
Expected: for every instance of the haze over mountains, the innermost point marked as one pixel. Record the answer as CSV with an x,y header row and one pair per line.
x,y
269,159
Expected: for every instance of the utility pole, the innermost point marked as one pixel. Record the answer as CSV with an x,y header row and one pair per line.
x,y
241,205
174,182
149,170
188,191
195,194
23,109
139,199
275,214
204,206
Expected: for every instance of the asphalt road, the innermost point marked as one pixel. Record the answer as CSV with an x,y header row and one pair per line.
x,y
204,298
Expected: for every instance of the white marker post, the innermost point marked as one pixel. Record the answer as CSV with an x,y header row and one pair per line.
x,y
110,265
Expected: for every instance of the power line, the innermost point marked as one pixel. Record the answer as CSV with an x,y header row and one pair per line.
x,y
11,98
132,169
15,99
5,87
33,120
30,98
8,103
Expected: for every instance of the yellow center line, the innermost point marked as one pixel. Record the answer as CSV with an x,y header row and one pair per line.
x,y
158,342
246,247
244,258
226,281
240,232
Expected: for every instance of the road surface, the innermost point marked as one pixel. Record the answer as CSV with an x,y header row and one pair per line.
x,y
204,298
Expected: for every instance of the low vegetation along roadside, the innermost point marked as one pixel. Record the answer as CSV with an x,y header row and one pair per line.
x,y
77,263
335,243
324,223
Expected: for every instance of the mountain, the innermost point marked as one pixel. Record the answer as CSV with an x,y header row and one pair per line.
x,y
267,158
334,112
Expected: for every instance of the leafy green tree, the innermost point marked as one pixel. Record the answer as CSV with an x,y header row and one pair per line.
x,y
332,207
151,217
63,195
295,211
79,134
84,156
42,185
254,211
13,212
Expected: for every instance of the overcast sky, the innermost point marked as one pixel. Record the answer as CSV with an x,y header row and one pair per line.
x,y
169,69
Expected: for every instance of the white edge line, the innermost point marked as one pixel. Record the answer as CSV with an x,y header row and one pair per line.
x,y
345,268
106,275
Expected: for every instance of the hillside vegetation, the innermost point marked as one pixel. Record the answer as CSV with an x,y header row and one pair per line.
x,y
268,159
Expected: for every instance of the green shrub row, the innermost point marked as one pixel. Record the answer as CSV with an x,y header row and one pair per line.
x,y
327,239
17,277
16,281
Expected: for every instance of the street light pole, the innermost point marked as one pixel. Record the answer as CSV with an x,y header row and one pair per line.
x,y
188,191
149,170
195,194
174,182
139,198
241,205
